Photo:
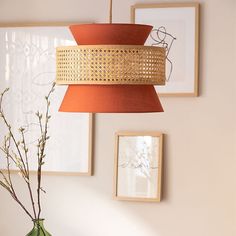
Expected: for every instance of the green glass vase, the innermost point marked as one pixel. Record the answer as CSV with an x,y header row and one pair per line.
x,y
38,229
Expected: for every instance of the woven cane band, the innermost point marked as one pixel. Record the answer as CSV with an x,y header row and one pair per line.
x,y
110,64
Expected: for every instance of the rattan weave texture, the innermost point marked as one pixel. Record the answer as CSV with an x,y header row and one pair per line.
x,y
110,64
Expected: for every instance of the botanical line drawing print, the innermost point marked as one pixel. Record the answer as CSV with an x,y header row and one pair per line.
x,y
139,159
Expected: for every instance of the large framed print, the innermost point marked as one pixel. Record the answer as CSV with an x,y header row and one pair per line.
x,y
176,27
138,166
28,68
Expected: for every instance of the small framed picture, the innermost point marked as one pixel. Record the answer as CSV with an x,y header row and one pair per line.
x,y
176,28
138,166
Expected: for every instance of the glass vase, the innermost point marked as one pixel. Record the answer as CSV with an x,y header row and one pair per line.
x,y
38,229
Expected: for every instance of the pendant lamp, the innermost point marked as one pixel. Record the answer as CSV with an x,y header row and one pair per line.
x,y
110,71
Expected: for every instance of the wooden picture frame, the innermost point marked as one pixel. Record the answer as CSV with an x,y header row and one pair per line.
x,y
177,28
44,37
39,24
138,166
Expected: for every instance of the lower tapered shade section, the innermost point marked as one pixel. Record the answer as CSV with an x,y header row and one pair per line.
x,y
111,99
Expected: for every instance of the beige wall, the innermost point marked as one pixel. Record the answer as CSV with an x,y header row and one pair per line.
x,y
234,112
199,168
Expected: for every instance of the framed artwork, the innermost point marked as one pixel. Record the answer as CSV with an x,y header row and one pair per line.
x,y
28,68
138,166
175,27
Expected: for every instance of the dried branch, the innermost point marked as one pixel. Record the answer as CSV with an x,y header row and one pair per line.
x,y
27,170
20,158
42,145
8,185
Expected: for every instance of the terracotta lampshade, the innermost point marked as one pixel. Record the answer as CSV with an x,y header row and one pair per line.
x,y
110,34
111,98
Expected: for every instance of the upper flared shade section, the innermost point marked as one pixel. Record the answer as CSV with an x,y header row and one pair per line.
x,y
111,99
116,34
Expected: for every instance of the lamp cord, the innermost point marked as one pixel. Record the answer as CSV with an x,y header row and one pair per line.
x,y
110,17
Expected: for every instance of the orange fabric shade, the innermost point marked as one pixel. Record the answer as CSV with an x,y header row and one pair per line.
x,y
121,34
111,98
